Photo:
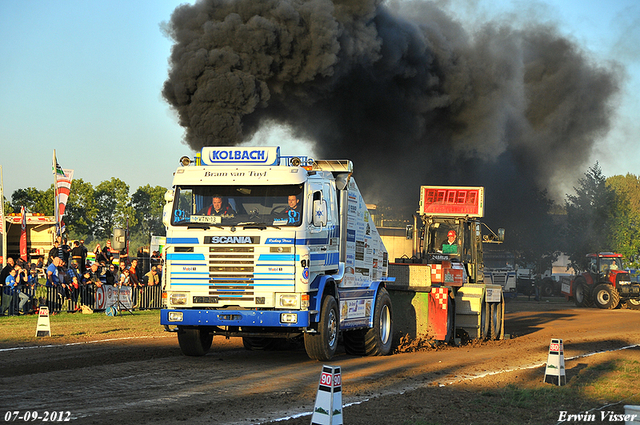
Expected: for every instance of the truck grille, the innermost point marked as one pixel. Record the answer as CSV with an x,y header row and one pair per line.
x,y
231,273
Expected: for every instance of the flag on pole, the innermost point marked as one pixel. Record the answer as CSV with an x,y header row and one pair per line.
x,y
62,189
56,169
23,234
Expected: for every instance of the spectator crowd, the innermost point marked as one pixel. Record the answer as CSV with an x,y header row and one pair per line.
x,y
68,275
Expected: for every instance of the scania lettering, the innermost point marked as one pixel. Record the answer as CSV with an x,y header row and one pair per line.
x,y
284,249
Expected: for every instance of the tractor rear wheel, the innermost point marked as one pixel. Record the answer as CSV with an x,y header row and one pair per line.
x,y
581,293
606,296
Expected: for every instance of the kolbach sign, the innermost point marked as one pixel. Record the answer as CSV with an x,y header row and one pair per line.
x,y
240,156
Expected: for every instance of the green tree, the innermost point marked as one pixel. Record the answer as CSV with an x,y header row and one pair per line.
x,y
148,202
113,208
625,221
589,214
34,200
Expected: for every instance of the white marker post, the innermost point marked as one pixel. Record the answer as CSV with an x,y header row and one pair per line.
x,y
554,372
328,407
43,328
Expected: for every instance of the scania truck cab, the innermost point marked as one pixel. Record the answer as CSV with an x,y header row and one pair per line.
x,y
264,247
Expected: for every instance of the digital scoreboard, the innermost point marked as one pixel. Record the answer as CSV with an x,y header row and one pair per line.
x,y
452,201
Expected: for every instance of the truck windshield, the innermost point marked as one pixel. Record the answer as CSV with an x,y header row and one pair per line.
x,y
238,206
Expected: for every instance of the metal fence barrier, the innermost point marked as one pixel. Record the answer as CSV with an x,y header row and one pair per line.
x,y
60,299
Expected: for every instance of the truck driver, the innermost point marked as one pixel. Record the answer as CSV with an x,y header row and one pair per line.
x,y
217,208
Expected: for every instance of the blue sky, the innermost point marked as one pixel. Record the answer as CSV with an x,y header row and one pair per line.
x,y
85,78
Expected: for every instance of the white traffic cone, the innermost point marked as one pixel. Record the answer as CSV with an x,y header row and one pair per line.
x,y
328,408
43,328
554,372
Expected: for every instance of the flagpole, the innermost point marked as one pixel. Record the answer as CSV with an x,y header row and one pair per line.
x,y
3,225
55,192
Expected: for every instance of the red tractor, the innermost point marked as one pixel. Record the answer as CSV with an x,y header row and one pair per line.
x,y
604,284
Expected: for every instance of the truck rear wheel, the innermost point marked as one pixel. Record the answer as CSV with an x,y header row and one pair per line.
x,y
322,345
606,296
377,340
581,294
194,342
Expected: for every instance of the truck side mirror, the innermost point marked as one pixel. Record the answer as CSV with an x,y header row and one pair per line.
x,y
501,234
319,213
409,231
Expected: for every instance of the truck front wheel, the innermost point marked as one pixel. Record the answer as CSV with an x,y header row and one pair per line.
x,y
322,344
606,296
194,342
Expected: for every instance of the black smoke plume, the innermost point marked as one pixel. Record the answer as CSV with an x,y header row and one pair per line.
x,y
409,94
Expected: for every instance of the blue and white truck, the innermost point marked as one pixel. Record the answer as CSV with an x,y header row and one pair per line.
x,y
264,246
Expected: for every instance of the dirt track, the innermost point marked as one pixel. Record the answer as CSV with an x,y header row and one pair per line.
x,y
147,380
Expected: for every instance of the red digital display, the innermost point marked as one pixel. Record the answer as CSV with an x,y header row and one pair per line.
x,y
452,201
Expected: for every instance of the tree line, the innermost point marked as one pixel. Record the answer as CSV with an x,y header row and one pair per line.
x,y
603,214
93,212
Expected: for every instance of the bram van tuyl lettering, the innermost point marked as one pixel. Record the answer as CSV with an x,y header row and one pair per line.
x,y
608,416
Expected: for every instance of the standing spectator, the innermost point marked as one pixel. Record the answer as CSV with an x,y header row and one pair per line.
x,y
112,276
124,278
151,278
65,250
133,274
7,292
94,276
85,251
53,252
6,269
135,281
76,255
22,278
106,253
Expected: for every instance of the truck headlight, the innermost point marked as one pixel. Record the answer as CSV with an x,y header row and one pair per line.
x,y
288,301
178,299
288,318
175,316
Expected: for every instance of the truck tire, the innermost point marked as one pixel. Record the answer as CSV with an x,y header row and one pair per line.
x,y
194,342
581,293
322,345
632,304
376,341
378,338
257,343
606,296
496,320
